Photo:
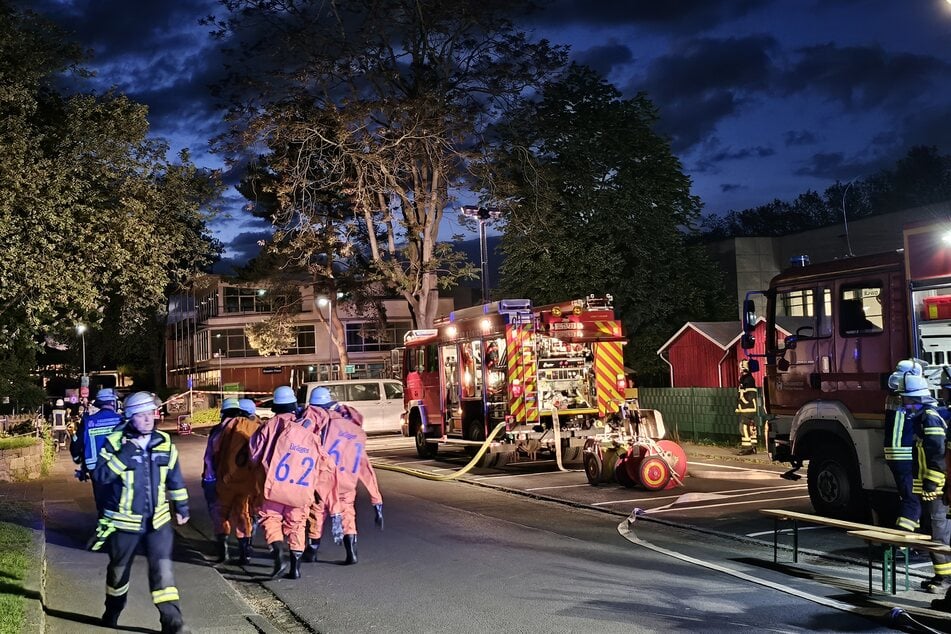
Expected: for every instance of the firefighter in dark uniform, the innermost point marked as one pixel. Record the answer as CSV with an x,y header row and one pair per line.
x,y
90,437
138,462
746,406
920,410
940,522
899,447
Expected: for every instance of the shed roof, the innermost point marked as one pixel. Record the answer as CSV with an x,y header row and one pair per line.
x,y
723,334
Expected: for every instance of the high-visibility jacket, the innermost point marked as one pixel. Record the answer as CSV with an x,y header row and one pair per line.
x,y
746,394
929,449
138,483
899,432
91,436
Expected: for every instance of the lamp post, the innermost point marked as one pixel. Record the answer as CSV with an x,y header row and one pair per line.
x,y
81,329
221,381
329,303
482,214
845,221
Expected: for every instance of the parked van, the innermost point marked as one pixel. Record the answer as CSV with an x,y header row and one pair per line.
x,y
379,400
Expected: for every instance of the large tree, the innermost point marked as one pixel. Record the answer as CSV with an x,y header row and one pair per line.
x,y
597,203
96,222
383,102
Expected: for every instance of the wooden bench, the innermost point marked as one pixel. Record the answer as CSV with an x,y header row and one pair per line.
x,y
889,537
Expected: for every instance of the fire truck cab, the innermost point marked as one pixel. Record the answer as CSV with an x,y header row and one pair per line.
x,y
852,321
509,362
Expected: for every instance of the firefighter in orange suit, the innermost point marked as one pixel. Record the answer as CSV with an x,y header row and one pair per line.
x,y
343,439
236,480
209,480
746,407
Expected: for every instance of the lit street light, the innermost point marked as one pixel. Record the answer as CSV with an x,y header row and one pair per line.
x,y
81,329
221,381
482,214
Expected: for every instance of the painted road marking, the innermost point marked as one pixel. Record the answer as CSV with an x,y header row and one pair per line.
x,y
671,507
752,491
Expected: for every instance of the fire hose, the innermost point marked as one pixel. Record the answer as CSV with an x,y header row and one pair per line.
x,y
451,476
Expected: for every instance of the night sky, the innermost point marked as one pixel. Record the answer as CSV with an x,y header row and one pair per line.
x,y
761,99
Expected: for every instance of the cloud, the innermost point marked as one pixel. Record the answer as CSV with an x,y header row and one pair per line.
x,y
603,59
711,161
861,78
244,246
732,187
703,80
798,137
684,16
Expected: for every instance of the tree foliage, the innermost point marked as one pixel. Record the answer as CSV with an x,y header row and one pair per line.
x,y
598,204
384,103
921,177
97,223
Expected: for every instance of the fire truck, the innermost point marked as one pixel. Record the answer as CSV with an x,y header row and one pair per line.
x,y
849,322
510,362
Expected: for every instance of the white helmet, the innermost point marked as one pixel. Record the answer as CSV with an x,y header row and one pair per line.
x,y
59,402
138,402
909,366
915,385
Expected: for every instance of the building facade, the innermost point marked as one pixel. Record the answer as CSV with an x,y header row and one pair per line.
x,y
207,346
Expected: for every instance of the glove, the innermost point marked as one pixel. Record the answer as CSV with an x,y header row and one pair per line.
x,y
379,515
336,528
210,489
81,475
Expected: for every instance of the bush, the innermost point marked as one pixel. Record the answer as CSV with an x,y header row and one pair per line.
x,y
206,417
18,442
49,452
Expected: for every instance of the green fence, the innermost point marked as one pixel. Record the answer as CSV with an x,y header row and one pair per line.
x,y
695,413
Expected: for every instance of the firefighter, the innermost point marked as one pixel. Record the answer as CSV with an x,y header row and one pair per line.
x,y
343,439
136,466
236,482
230,409
940,522
278,518
746,407
900,446
90,436
919,410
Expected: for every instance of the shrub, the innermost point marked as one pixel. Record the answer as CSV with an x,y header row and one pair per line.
x,y
18,442
205,417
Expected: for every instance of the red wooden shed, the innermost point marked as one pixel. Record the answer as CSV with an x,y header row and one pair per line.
x,y
707,353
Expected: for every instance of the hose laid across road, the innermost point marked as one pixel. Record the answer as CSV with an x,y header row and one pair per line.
x,y
449,476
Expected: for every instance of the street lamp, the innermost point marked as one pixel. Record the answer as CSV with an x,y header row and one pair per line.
x,y
328,302
482,214
221,381
81,329
845,221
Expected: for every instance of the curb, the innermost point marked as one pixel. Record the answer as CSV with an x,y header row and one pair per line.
x,y
34,614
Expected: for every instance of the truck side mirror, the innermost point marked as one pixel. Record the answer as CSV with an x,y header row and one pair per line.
x,y
782,364
747,341
753,365
790,342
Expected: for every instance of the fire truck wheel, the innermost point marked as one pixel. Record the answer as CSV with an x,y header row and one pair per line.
x,y
655,474
425,449
592,468
474,430
571,455
834,488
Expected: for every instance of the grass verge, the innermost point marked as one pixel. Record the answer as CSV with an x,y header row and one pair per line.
x,y
16,558
17,442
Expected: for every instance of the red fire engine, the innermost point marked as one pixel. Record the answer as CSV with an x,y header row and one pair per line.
x,y
514,363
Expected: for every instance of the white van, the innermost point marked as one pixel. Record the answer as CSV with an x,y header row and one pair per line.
x,y
380,401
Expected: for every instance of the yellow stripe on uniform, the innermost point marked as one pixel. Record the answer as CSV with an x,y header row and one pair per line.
x,y
116,592
165,594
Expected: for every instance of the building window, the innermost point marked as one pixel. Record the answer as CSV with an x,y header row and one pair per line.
x,y
256,300
306,341
232,343
367,337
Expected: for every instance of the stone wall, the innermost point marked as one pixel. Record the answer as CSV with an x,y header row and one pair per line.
x,y
24,463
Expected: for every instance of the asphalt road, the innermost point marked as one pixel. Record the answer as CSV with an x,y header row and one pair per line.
x,y
468,556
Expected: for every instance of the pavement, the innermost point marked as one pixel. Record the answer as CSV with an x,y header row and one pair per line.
x,y
66,595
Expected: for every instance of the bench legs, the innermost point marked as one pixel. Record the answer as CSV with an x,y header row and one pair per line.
x,y
889,573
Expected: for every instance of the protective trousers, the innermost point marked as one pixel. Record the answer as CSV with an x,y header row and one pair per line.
x,y
280,520
909,504
233,513
319,511
748,439
940,532
158,550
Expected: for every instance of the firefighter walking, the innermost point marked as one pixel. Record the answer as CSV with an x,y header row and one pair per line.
x,y
230,410
138,467
343,439
90,437
747,397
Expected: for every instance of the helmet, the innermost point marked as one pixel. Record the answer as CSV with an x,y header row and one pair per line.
x,y
59,402
321,396
911,366
230,403
896,381
106,395
284,395
247,406
138,402
915,385
745,365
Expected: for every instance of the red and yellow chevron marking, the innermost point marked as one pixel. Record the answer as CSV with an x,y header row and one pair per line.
x,y
530,374
513,353
608,365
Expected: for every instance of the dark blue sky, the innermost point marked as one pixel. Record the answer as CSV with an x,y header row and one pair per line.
x,y
762,99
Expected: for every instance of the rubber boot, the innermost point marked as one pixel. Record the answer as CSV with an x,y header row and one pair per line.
x,y
170,616
221,552
350,543
244,551
279,551
114,605
310,552
294,572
